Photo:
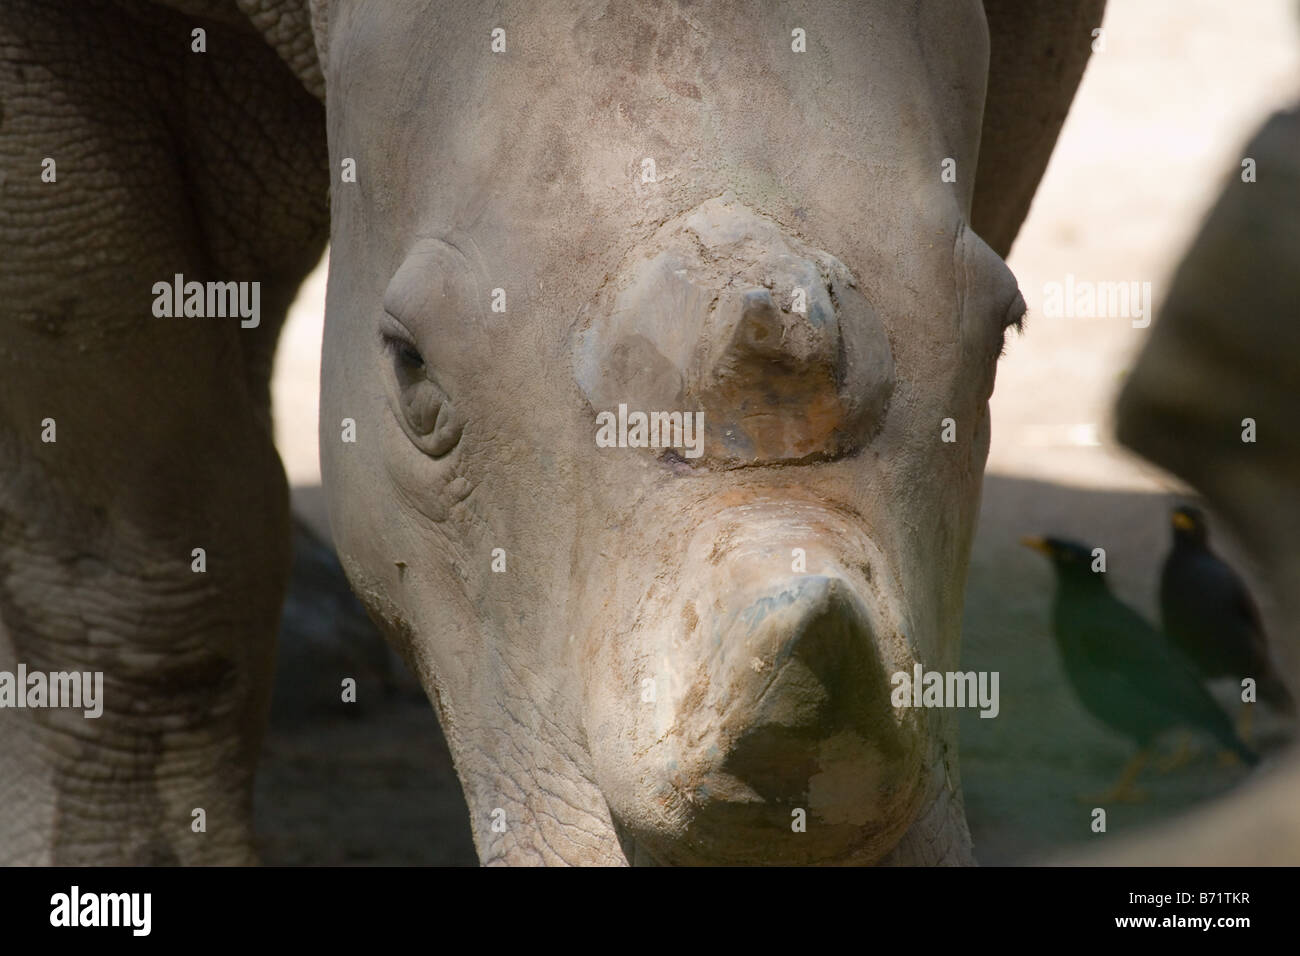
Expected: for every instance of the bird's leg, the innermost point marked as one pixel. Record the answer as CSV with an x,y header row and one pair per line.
x,y
1123,791
1183,755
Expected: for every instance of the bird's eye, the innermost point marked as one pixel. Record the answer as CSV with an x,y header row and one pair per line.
x,y
422,407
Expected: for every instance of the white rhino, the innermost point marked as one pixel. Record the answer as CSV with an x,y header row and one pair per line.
x,y
777,225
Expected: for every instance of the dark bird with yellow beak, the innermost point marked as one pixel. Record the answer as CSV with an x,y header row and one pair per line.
x,y
1208,614
1124,671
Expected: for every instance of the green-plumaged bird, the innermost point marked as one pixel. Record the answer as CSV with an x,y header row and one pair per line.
x,y
1208,614
1125,672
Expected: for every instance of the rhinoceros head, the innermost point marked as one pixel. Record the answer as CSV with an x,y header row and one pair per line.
x,y
651,330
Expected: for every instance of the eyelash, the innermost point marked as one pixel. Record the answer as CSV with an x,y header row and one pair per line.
x,y
1018,325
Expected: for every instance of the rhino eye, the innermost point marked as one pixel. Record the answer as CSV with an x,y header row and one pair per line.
x,y
408,358
422,407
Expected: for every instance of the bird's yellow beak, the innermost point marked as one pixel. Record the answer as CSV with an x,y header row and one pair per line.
x,y
1182,522
1038,544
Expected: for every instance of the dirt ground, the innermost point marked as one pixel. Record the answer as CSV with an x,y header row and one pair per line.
x,y
1157,125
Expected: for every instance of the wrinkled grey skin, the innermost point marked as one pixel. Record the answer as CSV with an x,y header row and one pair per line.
x,y
209,165
626,570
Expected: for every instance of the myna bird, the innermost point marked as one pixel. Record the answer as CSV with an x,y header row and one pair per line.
x,y
1208,614
1124,671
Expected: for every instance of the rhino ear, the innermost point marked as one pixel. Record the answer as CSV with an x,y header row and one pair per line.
x,y
1037,53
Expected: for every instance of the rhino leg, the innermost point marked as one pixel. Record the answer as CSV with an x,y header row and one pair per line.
x,y
161,435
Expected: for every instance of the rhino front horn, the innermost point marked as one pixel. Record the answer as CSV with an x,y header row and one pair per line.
x,y
770,732
722,312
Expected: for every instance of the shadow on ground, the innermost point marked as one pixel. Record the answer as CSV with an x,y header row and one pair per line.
x,y
1025,771
372,781
369,781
